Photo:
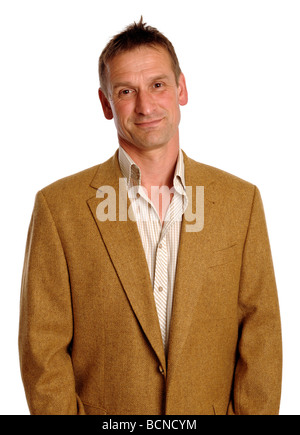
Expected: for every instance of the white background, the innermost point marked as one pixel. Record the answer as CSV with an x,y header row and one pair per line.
x,y
242,66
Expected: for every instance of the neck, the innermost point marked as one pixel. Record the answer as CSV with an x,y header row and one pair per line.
x,y
157,165
157,168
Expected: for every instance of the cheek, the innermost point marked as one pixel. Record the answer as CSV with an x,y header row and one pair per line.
x,y
121,113
169,103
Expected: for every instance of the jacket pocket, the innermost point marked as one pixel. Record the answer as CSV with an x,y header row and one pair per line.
x,y
93,409
224,256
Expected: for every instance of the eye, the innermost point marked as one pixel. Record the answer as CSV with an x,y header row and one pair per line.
x,y
125,93
158,85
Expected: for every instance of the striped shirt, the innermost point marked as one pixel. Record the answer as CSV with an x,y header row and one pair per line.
x,y
160,241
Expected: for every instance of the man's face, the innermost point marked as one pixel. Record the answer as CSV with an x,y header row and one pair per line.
x,y
143,98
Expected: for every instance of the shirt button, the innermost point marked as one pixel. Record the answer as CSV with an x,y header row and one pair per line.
x,y
160,245
160,289
161,370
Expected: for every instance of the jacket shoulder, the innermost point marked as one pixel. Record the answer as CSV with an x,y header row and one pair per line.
x,y
77,184
207,174
231,192
73,181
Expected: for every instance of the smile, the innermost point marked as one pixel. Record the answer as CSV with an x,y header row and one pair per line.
x,y
149,124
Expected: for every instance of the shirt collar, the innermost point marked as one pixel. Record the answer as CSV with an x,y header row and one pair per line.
x,y
129,169
132,172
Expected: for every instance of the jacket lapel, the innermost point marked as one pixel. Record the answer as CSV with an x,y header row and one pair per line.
x,y
194,254
124,246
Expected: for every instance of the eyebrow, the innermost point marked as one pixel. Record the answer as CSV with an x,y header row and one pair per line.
x,y
151,80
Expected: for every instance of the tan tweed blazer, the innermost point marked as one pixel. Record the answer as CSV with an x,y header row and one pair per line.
x,y
89,338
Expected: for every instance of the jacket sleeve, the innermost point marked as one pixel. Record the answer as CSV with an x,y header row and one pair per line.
x,y
46,321
257,382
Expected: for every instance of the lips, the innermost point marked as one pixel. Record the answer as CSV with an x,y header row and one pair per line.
x,y
149,124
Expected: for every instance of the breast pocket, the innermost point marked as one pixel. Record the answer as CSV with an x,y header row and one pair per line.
x,y
224,255
221,283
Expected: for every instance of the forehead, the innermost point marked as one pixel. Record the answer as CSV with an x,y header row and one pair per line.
x,y
139,61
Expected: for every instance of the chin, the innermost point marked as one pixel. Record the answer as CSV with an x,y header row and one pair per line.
x,y
154,142
152,145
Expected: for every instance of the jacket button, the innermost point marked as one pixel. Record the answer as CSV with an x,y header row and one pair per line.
x,y
161,370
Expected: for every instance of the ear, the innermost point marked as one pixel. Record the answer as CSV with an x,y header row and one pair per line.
x,y
106,107
182,91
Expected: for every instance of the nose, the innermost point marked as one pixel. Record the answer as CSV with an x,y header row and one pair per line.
x,y
145,104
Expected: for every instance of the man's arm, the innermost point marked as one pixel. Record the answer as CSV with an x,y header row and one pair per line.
x,y
257,382
46,322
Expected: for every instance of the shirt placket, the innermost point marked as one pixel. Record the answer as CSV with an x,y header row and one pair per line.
x,y
160,279
161,286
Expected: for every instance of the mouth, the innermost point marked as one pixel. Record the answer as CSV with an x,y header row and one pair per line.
x,y
149,124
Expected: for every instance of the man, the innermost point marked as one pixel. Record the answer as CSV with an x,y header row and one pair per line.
x,y
128,305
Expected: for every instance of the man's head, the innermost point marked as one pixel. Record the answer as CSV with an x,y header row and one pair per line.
x,y
142,87
134,36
